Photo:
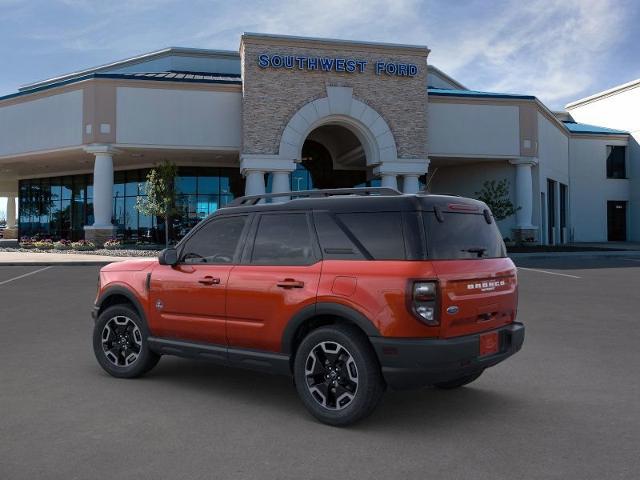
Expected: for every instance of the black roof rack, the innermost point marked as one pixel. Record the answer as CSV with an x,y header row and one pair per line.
x,y
254,199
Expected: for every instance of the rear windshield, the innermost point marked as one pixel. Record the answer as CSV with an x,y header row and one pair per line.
x,y
462,236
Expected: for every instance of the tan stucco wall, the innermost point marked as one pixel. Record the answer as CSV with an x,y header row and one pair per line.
x,y
271,96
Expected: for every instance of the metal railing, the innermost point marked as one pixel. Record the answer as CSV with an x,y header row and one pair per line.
x,y
366,191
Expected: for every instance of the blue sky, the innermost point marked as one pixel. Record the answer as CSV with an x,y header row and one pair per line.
x,y
557,50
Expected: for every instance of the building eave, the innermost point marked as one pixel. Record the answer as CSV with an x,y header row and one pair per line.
x,y
115,76
131,61
603,94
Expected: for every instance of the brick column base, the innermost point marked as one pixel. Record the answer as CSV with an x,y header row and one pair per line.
x,y
10,233
98,235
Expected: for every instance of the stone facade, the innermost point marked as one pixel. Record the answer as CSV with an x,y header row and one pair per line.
x,y
272,96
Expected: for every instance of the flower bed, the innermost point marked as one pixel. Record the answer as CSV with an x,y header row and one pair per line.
x,y
83,245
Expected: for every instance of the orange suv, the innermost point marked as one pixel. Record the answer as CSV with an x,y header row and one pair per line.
x,y
350,291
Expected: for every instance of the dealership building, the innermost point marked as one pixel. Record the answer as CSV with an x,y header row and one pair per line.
x,y
290,113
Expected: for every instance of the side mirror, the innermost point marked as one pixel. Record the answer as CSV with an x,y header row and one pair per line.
x,y
168,256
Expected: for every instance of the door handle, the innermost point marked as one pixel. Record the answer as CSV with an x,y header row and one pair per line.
x,y
290,283
208,280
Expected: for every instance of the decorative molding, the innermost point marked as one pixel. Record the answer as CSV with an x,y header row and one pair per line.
x,y
340,107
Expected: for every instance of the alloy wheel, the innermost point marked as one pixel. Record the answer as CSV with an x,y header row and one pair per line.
x,y
121,341
331,375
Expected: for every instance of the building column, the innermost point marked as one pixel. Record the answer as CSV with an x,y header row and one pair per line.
x,y
524,228
102,228
408,169
11,232
389,180
281,184
254,182
11,212
411,183
254,166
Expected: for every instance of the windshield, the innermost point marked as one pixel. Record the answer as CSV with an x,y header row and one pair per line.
x,y
462,236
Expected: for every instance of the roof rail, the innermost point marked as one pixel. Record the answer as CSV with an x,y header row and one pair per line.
x,y
254,199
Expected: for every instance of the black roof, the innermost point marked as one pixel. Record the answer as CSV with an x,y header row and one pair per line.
x,y
369,203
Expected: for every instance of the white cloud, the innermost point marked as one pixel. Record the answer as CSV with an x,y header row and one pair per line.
x,y
554,49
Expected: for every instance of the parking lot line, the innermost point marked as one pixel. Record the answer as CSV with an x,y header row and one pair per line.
x,y
25,275
548,272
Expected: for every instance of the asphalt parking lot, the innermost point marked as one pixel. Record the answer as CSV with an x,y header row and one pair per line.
x,y
567,406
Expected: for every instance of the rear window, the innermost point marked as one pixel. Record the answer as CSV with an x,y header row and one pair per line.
x,y
379,233
462,236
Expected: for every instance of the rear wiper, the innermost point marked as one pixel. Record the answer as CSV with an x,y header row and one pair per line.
x,y
479,250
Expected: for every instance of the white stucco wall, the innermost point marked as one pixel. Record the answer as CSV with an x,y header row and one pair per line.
x,y
464,129
190,118
467,178
553,164
620,110
41,124
590,189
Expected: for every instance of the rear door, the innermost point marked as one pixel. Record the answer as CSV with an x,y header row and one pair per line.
x,y
476,279
188,301
278,276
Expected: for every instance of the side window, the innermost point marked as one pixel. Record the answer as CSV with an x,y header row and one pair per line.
x,y
380,233
335,243
616,161
283,239
216,242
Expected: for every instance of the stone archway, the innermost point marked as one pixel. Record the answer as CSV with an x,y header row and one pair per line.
x,y
340,108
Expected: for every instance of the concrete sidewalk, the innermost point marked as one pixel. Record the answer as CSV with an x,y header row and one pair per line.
x,y
33,258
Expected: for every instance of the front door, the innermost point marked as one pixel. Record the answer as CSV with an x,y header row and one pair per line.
x,y
617,221
187,301
279,276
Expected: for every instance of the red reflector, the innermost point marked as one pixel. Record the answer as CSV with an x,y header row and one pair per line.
x,y
489,343
462,207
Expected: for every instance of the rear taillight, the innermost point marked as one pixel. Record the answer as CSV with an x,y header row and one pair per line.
x,y
424,297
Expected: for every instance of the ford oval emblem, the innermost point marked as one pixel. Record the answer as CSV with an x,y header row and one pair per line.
x,y
452,310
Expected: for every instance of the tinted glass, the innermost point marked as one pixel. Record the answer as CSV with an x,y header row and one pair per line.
x,y
616,161
462,236
215,242
380,233
334,242
283,240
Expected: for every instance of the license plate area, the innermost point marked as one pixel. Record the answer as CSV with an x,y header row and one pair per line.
x,y
489,344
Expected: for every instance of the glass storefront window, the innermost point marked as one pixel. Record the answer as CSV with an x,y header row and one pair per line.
x,y
59,207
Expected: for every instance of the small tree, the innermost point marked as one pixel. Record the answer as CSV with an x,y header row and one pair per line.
x,y
496,196
160,200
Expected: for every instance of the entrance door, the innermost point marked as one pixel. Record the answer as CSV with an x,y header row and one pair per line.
x,y
188,301
617,221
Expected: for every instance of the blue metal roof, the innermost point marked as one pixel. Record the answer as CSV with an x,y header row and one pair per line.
x,y
444,92
173,76
575,127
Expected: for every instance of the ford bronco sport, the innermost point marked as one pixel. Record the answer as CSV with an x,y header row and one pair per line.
x,y
350,291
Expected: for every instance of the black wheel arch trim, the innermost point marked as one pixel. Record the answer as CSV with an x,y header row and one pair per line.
x,y
123,291
325,308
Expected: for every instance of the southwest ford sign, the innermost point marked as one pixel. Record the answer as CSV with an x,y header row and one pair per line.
x,y
331,64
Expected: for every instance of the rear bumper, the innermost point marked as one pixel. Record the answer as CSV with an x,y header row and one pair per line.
x,y
411,363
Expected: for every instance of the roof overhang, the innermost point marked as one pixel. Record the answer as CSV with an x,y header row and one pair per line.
x,y
605,93
145,57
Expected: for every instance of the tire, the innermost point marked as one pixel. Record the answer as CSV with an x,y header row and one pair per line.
x,y
121,327
458,382
337,375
